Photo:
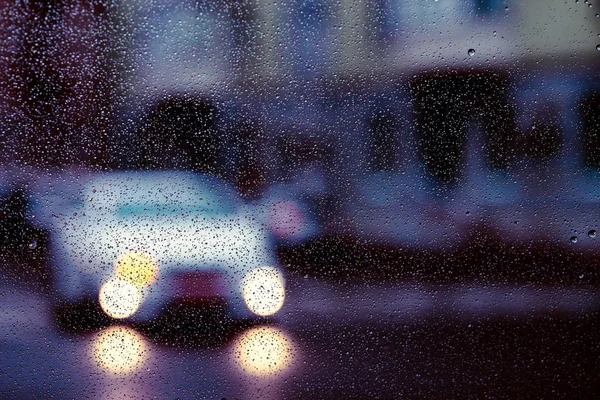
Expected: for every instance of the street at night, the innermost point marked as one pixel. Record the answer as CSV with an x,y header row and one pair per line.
x,y
330,341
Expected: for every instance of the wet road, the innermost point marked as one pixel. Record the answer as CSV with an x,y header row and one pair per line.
x,y
331,341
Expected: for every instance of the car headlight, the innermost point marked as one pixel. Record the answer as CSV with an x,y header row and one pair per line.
x,y
138,268
119,298
263,290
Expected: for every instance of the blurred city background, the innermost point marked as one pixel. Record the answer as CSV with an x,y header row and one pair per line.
x,y
427,172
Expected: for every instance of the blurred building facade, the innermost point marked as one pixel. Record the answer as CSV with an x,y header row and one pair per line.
x,y
371,109
58,96
436,116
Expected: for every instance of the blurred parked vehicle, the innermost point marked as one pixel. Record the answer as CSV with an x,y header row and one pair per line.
x,y
292,207
287,216
138,241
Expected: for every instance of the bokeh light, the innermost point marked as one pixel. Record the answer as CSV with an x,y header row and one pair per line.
x,y
263,351
138,268
263,290
119,350
119,298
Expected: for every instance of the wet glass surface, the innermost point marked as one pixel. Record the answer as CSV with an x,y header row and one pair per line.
x,y
300,199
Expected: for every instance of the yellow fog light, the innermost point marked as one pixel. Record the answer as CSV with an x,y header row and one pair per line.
x,y
119,298
263,290
140,269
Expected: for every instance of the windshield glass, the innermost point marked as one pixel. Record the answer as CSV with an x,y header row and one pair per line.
x,y
166,209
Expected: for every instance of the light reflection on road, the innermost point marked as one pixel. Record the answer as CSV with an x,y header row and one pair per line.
x,y
262,358
264,351
119,350
270,362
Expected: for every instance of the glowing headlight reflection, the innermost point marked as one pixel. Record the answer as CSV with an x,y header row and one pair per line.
x,y
119,298
119,350
264,351
140,269
263,290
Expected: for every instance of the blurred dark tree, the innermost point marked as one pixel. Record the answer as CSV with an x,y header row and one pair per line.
x,y
251,171
590,110
383,141
60,93
444,106
22,246
180,133
544,141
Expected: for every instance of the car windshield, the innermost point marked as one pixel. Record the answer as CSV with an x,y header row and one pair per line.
x,y
174,209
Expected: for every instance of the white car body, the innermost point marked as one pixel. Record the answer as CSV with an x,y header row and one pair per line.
x,y
187,223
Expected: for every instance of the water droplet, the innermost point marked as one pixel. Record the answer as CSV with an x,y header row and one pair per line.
x,y
33,244
574,239
592,233
598,47
471,52
90,198
581,276
495,33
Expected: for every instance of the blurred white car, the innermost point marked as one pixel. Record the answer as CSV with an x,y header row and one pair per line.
x,y
139,240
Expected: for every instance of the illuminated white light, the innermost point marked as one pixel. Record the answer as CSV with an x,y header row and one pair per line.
x,y
263,290
263,351
119,350
119,298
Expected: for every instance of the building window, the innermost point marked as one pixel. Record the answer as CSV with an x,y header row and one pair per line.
x,y
384,16
299,152
310,35
487,8
545,137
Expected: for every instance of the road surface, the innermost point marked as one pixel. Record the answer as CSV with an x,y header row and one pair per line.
x,y
331,341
